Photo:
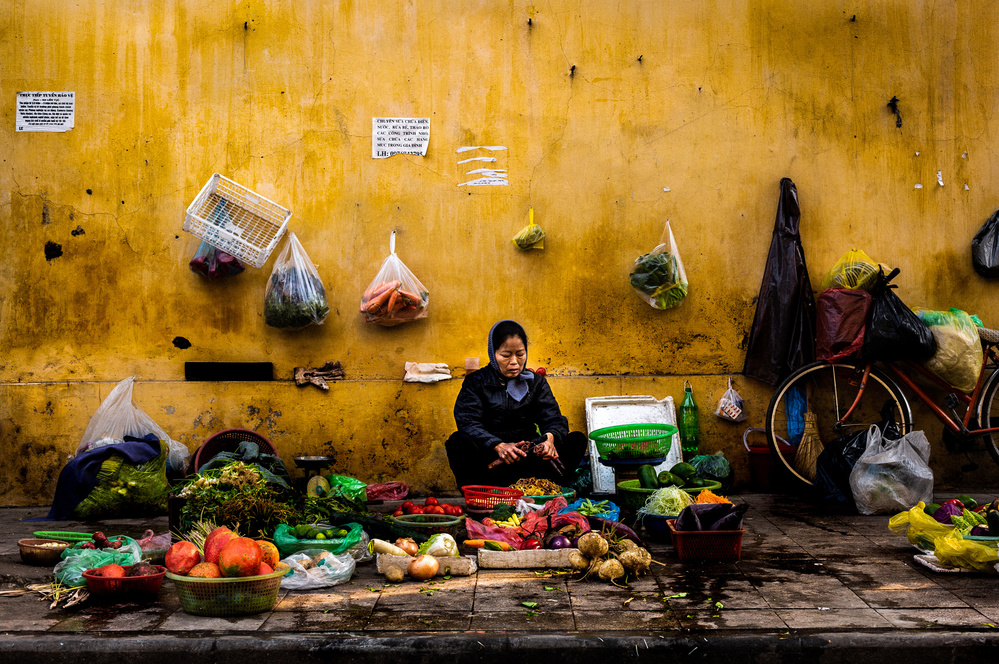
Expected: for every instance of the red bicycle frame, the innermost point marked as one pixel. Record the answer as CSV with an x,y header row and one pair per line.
x,y
941,414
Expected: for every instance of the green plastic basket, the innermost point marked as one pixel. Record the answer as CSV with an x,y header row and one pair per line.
x,y
634,442
430,524
633,496
63,535
236,596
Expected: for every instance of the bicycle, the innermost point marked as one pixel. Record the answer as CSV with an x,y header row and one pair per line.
x,y
851,396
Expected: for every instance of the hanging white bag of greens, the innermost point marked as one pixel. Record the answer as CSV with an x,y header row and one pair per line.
x,y
658,276
295,297
395,295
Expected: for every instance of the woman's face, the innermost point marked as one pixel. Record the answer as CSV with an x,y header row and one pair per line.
x,y
511,356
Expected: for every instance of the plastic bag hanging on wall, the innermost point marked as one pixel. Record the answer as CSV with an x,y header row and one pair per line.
x,y
985,248
658,276
395,296
295,296
782,338
530,236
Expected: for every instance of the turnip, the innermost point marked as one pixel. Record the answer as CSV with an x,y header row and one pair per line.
x,y
611,570
593,545
578,561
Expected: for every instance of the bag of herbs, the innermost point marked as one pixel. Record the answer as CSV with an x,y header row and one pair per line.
x,y
658,276
295,296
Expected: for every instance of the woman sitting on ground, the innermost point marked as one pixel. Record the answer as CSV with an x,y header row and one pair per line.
x,y
509,423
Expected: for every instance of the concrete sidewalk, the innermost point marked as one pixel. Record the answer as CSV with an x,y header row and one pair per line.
x,y
810,586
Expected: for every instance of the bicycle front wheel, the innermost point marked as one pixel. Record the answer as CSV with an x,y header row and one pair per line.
x,y
827,391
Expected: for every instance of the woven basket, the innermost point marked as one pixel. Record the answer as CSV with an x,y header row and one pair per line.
x,y
430,524
228,440
482,497
236,596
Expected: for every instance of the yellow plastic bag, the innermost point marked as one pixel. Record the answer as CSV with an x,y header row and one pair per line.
x,y
920,528
530,236
854,270
953,550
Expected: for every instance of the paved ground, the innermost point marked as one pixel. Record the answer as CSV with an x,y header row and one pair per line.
x,y
811,585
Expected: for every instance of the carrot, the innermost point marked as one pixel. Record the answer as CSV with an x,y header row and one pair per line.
x,y
393,301
492,545
414,299
475,544
375,291
378,300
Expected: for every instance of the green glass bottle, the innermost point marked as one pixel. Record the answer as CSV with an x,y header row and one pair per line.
x,y
688,422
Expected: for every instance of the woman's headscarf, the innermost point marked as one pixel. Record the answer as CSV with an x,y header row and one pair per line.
x,y
518,386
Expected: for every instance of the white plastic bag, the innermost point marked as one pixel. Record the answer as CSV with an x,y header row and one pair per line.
x,y
295,296
958,359
658,276
395,295
731,407
892,475
315,568
118,416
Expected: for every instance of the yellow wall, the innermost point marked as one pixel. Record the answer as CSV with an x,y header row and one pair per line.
x,y
688,111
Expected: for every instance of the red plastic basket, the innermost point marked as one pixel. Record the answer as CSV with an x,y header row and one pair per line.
x,y
706,544
481,497
100,586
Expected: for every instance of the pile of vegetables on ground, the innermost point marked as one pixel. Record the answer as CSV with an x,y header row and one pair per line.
x,y
421,561
967,515
685,475
608,557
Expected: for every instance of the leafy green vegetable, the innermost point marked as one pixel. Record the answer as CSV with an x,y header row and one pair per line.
x,y
658,276
295,299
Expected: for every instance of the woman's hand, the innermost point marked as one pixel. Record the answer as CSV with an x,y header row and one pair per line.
x,y
547,449
509,452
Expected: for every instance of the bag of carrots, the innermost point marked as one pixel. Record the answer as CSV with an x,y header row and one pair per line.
x,y
395,296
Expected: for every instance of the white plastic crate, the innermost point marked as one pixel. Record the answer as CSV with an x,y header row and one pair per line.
x,y
238,221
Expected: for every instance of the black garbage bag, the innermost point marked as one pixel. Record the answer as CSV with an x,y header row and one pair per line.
x,y
985,248
836,461
894,332
782,338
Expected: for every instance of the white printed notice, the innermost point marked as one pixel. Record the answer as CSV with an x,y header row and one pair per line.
x,y
46,111
391,136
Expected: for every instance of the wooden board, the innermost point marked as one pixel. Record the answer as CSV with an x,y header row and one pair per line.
x,y
451,565
532,559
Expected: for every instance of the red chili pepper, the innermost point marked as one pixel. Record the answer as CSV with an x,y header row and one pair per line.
x,y
954,501
530,544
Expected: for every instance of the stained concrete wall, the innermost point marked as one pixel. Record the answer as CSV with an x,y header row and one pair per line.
x,y
616,116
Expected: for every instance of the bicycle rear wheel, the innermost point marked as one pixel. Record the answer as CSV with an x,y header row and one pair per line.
x,y
988,413
828,391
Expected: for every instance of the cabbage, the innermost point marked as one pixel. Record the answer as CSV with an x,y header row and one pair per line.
x,y
946,511
440,545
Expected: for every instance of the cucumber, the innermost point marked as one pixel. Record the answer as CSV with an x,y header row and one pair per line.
x,y
667,478
698,482
684,470
647,477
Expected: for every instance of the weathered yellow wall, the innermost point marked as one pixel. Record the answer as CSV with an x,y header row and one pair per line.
x,y
618,116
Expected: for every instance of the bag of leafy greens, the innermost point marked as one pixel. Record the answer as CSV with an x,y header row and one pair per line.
x,y
658,276
295,296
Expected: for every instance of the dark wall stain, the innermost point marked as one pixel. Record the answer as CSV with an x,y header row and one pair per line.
x,y
252,411
181,342
52,250
46,220
77,231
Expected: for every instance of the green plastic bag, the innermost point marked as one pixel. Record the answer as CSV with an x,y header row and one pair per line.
x,y
348,486
287,543
75,561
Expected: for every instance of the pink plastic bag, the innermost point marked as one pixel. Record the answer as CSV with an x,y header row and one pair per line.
x,y
387,491
152,542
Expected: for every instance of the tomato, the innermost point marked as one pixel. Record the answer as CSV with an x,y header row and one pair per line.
x,y
434,509
451,510
417,510
431,501
407,504
540,371
398,512
457,510
530,544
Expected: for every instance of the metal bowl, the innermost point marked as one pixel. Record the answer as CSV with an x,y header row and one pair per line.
x,y
41,552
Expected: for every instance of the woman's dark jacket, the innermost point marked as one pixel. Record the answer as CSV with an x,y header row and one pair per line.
x,y
487,414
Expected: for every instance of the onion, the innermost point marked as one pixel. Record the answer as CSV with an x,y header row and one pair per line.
x,y
423,567
408,544
560,542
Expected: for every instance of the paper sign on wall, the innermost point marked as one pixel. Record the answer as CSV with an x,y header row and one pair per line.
x,y
45,111
391,136
471,172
